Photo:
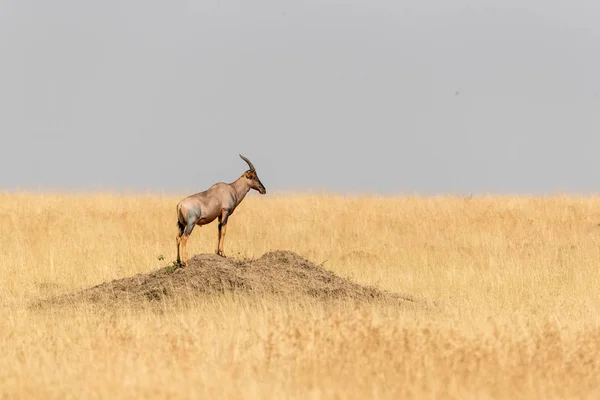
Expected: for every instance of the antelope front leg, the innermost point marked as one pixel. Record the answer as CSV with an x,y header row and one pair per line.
x,y
222,231
219,235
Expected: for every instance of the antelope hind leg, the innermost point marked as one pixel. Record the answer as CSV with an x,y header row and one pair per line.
x,y
184,250
178,240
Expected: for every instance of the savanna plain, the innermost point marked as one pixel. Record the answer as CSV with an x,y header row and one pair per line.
x,y
506,300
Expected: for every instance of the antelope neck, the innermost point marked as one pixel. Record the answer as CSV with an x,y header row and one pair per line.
x,y
240,188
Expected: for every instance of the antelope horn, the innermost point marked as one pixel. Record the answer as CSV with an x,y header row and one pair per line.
x,y
248,161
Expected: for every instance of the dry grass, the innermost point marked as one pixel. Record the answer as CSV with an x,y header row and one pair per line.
x,y
516,281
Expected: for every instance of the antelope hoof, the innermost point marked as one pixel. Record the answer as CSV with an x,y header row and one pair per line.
x,y
220,253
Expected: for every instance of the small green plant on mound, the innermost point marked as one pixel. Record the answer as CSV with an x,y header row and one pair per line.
x,y
173,266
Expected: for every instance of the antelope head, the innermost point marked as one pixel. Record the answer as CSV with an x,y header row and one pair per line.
x,y
252,177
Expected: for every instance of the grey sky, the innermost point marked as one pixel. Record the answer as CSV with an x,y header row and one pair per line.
x,y
427,97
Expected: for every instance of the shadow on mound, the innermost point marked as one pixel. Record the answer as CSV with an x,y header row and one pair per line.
x,y
278,272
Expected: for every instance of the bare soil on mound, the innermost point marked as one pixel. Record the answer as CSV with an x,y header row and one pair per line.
x,y
278,272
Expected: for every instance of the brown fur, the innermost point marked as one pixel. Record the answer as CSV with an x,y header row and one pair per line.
x,y
219,201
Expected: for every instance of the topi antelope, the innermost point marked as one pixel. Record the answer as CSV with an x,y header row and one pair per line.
x,y
219,201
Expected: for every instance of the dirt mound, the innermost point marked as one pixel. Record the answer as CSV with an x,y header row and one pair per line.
x,y
278,272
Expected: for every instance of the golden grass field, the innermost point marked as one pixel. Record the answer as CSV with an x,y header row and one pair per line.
x,y
514,284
